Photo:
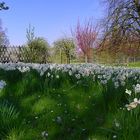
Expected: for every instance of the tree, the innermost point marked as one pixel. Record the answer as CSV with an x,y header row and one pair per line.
x,y
30,35
4,42
122,25
121,38
3,6
85,38
66,46
38,50
3,37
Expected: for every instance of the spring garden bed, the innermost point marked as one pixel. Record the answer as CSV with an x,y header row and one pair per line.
x,y
69,102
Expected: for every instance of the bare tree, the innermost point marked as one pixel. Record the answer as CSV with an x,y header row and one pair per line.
x,y
30,35
3,37
85,36
121,34
123,22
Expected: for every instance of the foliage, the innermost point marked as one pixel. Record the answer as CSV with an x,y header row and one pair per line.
x,y
3,6
69,102
37,50
8,118
65,46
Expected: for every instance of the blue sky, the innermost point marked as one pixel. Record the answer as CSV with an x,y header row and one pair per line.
x,y
52,19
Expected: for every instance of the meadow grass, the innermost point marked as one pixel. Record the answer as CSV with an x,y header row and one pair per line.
x,y
35,107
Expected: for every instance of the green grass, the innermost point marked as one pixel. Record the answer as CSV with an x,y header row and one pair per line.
x,y
63,108
134,64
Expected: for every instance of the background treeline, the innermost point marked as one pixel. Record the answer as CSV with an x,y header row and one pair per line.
x,y
116,39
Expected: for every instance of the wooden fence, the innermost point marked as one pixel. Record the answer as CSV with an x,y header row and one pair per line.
x,y
16,54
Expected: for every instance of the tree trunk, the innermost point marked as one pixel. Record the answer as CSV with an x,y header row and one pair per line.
x,y
134,59
86,59
127,60
68,59
60,56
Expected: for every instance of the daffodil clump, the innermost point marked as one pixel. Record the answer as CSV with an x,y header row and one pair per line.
x,y
118,75
134,98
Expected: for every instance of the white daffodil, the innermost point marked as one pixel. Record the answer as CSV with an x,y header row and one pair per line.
x,y
48,74
137,88
133,104
77,76
137,101
57,76
129,92
2,84
70,73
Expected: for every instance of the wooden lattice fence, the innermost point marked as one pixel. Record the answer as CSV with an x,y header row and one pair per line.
x,y
22,54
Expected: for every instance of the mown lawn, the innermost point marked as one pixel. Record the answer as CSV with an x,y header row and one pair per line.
x,y
134,64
